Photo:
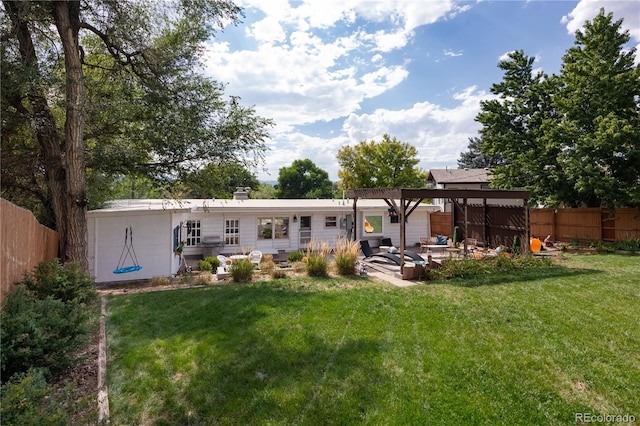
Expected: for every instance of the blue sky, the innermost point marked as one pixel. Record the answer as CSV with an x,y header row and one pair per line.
x,y
332,73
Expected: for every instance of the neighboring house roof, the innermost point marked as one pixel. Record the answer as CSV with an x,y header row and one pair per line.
x,y
449,176
212,205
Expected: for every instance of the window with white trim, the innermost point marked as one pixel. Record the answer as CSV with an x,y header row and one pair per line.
x,y
232,232
193,232
273,228
330,221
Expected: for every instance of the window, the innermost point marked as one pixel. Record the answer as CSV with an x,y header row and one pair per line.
x,y
330,221
393,216
273,228
232,231
193,232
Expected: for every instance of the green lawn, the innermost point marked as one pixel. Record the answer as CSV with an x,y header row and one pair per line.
x,y
525,348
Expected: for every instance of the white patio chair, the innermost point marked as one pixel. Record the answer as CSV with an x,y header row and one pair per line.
x,y
255,257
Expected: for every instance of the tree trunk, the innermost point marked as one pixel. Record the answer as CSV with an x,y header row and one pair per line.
x,y
63,159
67,20
43,121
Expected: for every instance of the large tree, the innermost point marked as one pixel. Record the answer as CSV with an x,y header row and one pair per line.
x,y
512,128
385,164
476,158
112,88
572,139
303,179
217,180
599,133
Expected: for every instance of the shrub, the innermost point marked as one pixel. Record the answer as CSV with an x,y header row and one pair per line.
x,y
214,261
63,282
241,271
278,273
346,256
317,262
204,265
28,400
295,256
159,281
516,244
41,333
267,266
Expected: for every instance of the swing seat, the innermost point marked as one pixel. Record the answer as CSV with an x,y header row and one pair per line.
x,y
126,269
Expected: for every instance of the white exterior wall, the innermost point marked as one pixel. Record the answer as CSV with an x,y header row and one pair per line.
x,y
213,224
153,240
152,244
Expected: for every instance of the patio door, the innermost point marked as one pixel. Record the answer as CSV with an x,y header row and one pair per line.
x,y
305,231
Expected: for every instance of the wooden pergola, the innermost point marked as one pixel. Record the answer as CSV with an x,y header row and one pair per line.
x,y
410,198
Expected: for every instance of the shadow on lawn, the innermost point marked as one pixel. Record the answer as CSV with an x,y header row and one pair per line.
x,y
514,276
259,353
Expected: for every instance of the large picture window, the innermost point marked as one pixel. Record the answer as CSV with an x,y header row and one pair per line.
x,y
232,232
273,228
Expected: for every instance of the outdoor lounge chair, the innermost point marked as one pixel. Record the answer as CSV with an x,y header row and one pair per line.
x,y
368,253
408,253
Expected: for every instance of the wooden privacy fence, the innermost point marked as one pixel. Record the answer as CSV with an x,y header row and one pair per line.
x,y
440,223
491,225
586,224
25,243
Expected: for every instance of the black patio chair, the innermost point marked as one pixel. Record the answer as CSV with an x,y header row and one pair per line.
x,y
408,253
368,253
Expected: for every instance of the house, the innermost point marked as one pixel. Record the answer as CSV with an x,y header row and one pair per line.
x,y
153,229
460,179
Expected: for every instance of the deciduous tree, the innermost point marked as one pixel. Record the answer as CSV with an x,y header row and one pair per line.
x,y
303,179
385,164
112,88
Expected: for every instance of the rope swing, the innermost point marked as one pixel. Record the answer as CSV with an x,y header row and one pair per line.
x,y
130,254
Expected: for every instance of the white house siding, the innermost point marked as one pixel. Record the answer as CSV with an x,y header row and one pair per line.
x,y
153,222
152,239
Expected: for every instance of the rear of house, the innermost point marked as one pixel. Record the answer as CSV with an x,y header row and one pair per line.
x,y
160,227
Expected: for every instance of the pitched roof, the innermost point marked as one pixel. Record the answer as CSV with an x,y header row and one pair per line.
x,y
459,175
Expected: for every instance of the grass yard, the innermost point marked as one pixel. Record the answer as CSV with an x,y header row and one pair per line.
x,y
528,348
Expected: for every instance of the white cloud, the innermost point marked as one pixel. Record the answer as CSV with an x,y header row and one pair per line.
x,y
451,53
586,10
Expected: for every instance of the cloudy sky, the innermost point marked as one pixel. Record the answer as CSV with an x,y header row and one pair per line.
x,y
332,73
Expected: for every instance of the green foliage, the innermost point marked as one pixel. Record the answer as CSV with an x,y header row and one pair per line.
x,y
385,164
217,180
204,265
213,261
27,399
317,262
303,179
66,282
295,256
346,256
241,271
543,128
476,158
317,265
470,268
40,332
264,191
516,245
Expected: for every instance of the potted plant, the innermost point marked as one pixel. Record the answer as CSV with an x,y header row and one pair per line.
x,y
179,249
